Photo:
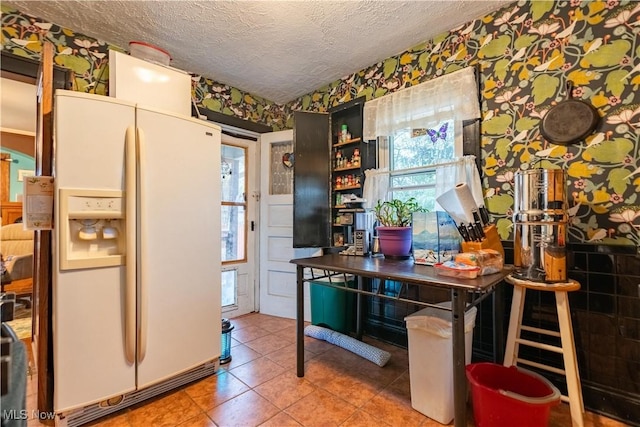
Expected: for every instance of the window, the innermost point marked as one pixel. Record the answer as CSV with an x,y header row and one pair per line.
x,y
229,288
412,154
418,128
234,204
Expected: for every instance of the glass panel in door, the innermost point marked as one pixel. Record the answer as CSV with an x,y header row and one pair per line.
x,y
281,168
234,203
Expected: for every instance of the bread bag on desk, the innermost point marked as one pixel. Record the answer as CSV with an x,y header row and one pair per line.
x,y
488,260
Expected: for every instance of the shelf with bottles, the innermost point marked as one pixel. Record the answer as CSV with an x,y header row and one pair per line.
x,y
347,160
348,168
344,136
349,187
346,182
347,142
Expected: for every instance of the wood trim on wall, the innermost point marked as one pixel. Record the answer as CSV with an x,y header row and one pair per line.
x,y
224,119
4,175
42,283
50,77
21,143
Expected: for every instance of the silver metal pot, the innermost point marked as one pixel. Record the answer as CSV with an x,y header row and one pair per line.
x,y
540,220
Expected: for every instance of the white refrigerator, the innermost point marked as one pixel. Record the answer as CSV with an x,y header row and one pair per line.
x,y
136,252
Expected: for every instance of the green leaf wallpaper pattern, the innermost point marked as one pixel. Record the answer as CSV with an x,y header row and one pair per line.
x,y
23,35
526,53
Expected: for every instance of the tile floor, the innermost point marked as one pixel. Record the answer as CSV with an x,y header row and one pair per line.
x,y
259,387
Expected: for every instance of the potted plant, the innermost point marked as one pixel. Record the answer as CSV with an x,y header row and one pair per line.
x,y
394,231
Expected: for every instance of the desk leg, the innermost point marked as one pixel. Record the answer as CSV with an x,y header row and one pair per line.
x,y
458,302
359,299
300,321
498,324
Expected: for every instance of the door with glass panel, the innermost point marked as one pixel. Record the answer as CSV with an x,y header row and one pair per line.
x,y
239,216
277,274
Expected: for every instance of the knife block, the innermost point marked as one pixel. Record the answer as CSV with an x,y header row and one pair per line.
x,y
491,241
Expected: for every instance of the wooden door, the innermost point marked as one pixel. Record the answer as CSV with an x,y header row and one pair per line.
x,y
311,181
277,274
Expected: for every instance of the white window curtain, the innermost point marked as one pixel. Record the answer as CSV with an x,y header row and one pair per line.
x,y
462,170
452,96
376,186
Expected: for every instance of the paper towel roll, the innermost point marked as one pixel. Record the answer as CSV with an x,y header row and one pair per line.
x,y
466,200
451,203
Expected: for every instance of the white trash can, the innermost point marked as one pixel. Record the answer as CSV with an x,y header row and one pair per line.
x,y
431,359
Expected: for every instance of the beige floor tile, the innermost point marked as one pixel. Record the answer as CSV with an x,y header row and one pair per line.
x,y
339,388
364,419
401,387
319,372
287,356
268,344
248,333
393,409
234,342
241,355
285,389
169,410
118,419
215,390
288,332
320,408
281,420
345,359
248,409
201,420
257,371
316,346
244,321
352,390
275,324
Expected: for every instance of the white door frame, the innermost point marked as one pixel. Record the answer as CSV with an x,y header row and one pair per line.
x,y
277,274
250,301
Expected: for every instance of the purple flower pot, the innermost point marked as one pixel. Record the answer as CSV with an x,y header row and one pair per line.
x,y
395,242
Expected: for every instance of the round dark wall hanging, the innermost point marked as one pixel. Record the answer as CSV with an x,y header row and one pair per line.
x,y
569,121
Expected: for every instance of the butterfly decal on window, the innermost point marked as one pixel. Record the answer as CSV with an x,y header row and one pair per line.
x,y
438,134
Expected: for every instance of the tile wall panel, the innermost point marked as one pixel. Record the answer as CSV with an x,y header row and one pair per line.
x,y
605,317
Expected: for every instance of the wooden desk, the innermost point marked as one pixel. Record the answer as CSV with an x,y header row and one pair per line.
x,y
465,293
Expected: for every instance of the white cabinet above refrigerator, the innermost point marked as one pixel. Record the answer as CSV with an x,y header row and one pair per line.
x,y
152,85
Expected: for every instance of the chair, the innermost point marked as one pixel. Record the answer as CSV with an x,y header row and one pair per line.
x,y
16,246
566,347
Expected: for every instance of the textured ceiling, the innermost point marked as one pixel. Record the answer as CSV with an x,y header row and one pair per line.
x,y
279,50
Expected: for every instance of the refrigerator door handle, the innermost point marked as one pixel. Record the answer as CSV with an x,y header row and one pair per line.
x,y
130,215
142,300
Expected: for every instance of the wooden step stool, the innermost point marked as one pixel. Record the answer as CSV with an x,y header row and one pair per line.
x,y
567,348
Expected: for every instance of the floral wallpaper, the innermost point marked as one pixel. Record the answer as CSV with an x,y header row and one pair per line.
x,y
218,97
527,52
24,34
